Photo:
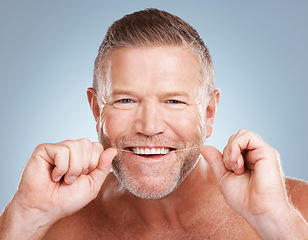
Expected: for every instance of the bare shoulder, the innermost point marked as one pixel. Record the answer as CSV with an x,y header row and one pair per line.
x,y
67,228
298,194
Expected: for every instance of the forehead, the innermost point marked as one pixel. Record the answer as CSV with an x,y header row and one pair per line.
x,y
158,67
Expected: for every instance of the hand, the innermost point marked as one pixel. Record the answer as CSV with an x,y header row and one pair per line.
x,y
62,178
250,178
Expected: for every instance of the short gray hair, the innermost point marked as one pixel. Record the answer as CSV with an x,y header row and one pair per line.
x,y
153,27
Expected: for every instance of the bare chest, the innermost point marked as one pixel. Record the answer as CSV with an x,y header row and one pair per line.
x,y
214,223
225,229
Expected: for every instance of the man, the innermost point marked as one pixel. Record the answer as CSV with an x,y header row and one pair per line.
x,y
154,101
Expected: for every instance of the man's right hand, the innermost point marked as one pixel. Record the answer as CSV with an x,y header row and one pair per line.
x,y
59,180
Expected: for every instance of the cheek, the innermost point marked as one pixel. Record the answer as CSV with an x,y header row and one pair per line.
x,y
115,123
186,123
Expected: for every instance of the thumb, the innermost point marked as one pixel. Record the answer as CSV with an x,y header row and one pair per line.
x,y
102,170
214,159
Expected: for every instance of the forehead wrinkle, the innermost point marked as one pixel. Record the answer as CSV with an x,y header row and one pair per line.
x,y
149,72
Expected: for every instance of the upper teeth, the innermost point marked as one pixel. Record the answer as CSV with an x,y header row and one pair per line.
x,y
149,151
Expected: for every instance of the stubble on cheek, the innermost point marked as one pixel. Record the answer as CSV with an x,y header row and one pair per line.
x,y
154,181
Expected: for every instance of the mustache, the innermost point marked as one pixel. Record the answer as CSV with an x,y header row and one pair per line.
x,y
142,140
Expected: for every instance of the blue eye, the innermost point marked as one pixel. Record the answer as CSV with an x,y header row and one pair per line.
x,y
172,101
126,100
175,104
125,103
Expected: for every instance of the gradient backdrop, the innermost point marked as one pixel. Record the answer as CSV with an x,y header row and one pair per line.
x,y
47,50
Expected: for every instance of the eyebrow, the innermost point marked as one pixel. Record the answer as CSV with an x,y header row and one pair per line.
x,y
175,94
122,92
163,94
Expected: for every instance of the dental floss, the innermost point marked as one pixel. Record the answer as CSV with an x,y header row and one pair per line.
x,y
171,151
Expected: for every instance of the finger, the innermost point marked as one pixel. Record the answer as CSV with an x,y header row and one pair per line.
x,y
87,154
243,144
61,161
231,138
239,166
58,156
75,161
229,164
247,149
232,164
97,149
99,174
214,159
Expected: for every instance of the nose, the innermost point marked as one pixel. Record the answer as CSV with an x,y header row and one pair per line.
x,y
149,119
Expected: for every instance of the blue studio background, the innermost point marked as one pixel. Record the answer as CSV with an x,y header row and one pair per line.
x,y
47,51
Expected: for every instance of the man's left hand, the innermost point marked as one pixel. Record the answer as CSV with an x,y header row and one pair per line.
x,y
250,178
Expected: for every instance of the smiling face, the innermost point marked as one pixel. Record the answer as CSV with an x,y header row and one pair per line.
x,y
151,106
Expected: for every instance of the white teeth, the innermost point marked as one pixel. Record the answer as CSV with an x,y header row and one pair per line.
x,y
152,151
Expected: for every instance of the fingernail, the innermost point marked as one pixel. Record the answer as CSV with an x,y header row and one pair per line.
x,y
234,166
57,179
70,180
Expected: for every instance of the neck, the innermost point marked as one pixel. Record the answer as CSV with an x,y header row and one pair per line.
x,y
198,188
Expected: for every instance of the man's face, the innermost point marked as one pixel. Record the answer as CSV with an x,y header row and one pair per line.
x,y
152,107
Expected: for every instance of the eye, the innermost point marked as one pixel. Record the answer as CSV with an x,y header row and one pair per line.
x,y
174,101
126,100
175,104
124,103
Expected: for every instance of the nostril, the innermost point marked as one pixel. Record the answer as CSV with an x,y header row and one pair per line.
x,y
149,119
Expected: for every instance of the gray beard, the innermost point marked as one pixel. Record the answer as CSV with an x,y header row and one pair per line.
x,y
185,162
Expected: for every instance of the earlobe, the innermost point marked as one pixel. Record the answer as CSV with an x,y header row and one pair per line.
x,y
92,99
211,112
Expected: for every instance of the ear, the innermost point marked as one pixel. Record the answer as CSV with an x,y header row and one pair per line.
x,y
92,99
211,112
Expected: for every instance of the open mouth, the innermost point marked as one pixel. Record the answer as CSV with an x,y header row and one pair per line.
x,y
151,151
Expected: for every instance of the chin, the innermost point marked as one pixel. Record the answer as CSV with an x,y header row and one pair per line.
x,y
151,186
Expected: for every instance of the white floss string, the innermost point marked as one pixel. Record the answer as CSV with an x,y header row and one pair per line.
x,y
179,150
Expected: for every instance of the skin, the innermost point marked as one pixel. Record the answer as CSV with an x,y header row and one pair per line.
x,y
238,194
144,116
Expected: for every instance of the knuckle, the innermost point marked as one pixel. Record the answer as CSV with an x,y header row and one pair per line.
x,y
97,146
39,148
87,144
74,144
85,141
242,130
40,151
63,149
231,138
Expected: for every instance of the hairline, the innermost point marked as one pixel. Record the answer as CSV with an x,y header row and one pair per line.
x,y
101,70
